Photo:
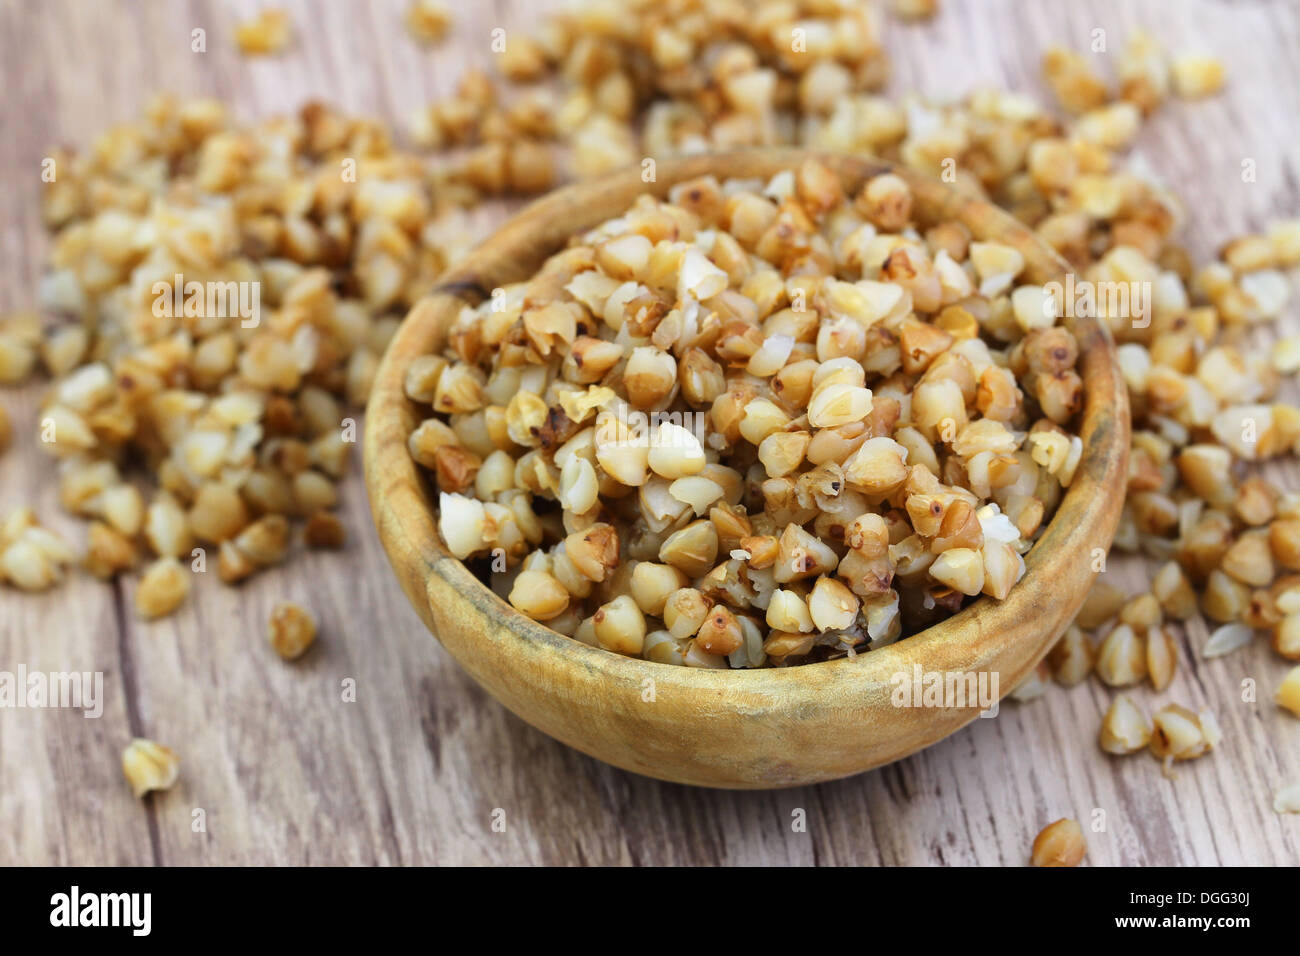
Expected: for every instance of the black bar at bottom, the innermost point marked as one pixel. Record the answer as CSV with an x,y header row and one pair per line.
x,y
332,905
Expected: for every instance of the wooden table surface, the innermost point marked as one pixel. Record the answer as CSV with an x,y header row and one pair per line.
x,y
413,771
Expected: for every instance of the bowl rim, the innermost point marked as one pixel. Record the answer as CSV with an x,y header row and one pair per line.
x,y
395,484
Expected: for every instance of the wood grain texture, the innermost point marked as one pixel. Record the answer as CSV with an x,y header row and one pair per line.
x,y
413,770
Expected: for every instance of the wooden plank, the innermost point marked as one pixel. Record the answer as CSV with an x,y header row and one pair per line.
x,y
61,789
286,771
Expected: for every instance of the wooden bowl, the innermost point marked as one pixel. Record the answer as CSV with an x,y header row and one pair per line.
x,y
732,728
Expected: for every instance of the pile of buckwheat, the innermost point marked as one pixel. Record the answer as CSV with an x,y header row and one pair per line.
x,y
237,417
760,423
178,431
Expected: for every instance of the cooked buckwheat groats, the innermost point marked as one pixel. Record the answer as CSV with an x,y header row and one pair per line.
x,y
148,765
32,558
759,423
268,32
218,296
